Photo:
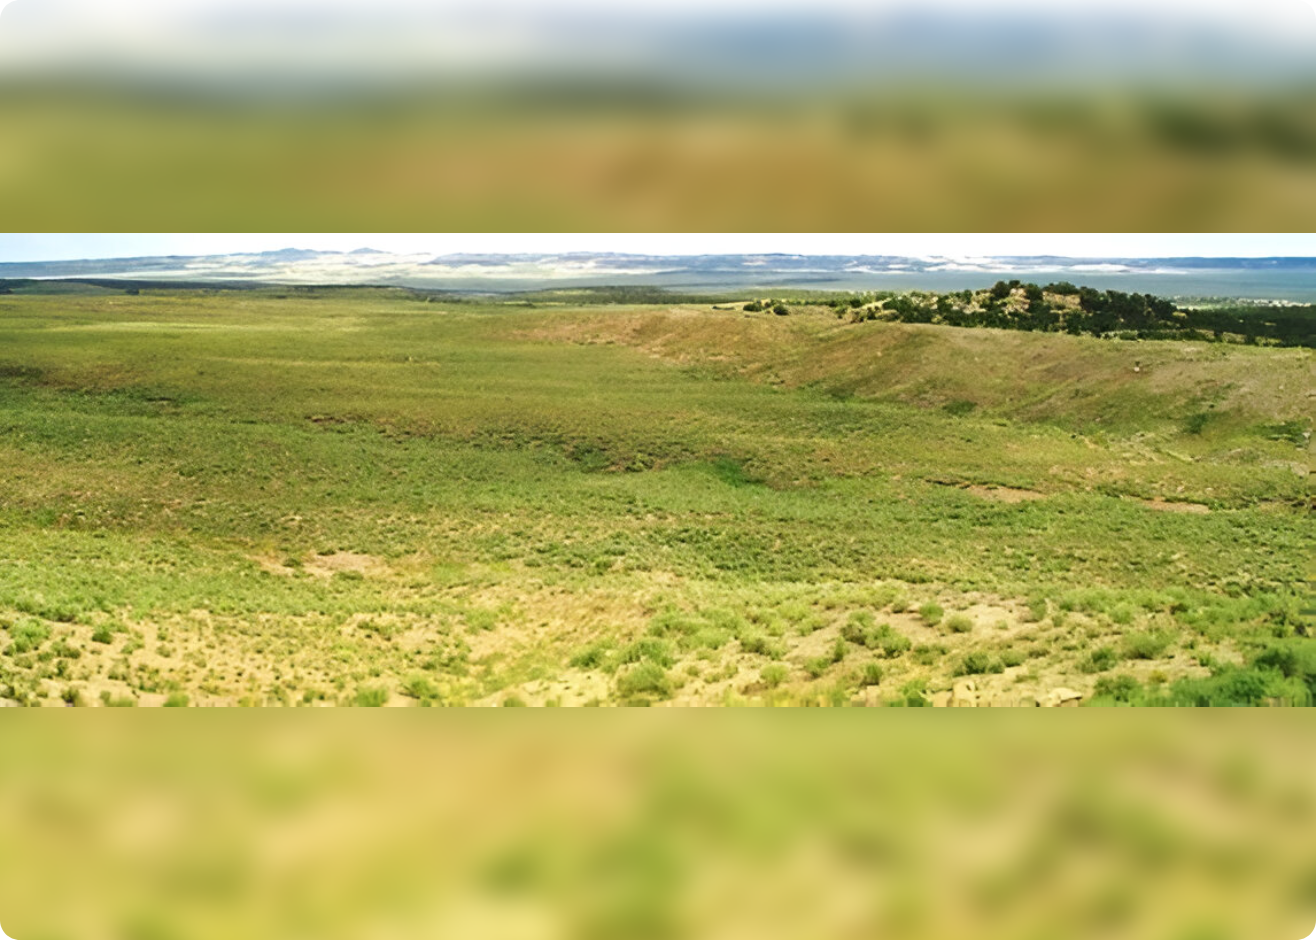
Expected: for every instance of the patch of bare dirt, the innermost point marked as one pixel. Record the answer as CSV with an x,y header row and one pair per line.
x,y
273,565
1001,494
322,566
1166,506
573,689
326,566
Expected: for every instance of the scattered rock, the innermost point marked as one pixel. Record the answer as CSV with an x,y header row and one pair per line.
x,y
964,694
1059,698
870,697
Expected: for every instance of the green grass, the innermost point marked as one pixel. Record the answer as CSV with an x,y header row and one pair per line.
x,y
1147,645
371,697
979,662
773,675
648,679
242,498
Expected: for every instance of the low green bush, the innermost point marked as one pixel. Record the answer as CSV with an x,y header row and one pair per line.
x,y
1233,686
760,645
858,627
978,662
370,697
959,623
773,675
888,641
648,678
480,619
419,687
1099,660
1149,644
911,695
1196,422
1278,676
1293,659
27,635
1012,657
928,655
1122,688
648,649
817,666
710,638
594,656
62,650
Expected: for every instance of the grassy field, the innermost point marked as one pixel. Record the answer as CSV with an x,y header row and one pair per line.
x,y
83,156
366,497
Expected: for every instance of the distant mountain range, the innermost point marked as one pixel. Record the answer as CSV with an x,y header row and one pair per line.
x,y
1277,278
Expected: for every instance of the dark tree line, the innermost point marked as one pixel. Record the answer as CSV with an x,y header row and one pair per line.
x,y
1012,305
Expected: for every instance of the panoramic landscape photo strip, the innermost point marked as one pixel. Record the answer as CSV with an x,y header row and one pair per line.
x,y
366,470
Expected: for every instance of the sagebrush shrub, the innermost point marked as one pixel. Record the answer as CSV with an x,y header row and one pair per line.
x,y
1099,660
959,623
978,662
647,678
1149,644
371,697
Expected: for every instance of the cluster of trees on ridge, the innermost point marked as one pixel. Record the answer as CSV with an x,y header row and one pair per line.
x,y
1063,307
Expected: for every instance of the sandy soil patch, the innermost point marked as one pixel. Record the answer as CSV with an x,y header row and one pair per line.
x,y
322,566
273,565
574,689
1001,494
326,566
1165,506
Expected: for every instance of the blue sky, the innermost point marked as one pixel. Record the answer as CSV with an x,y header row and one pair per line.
x,y
1105,38
52,247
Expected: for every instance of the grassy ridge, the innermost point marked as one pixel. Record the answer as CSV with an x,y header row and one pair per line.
x,y
361,496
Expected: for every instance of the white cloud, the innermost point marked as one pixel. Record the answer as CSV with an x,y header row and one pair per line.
x,y
410,36
951,248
